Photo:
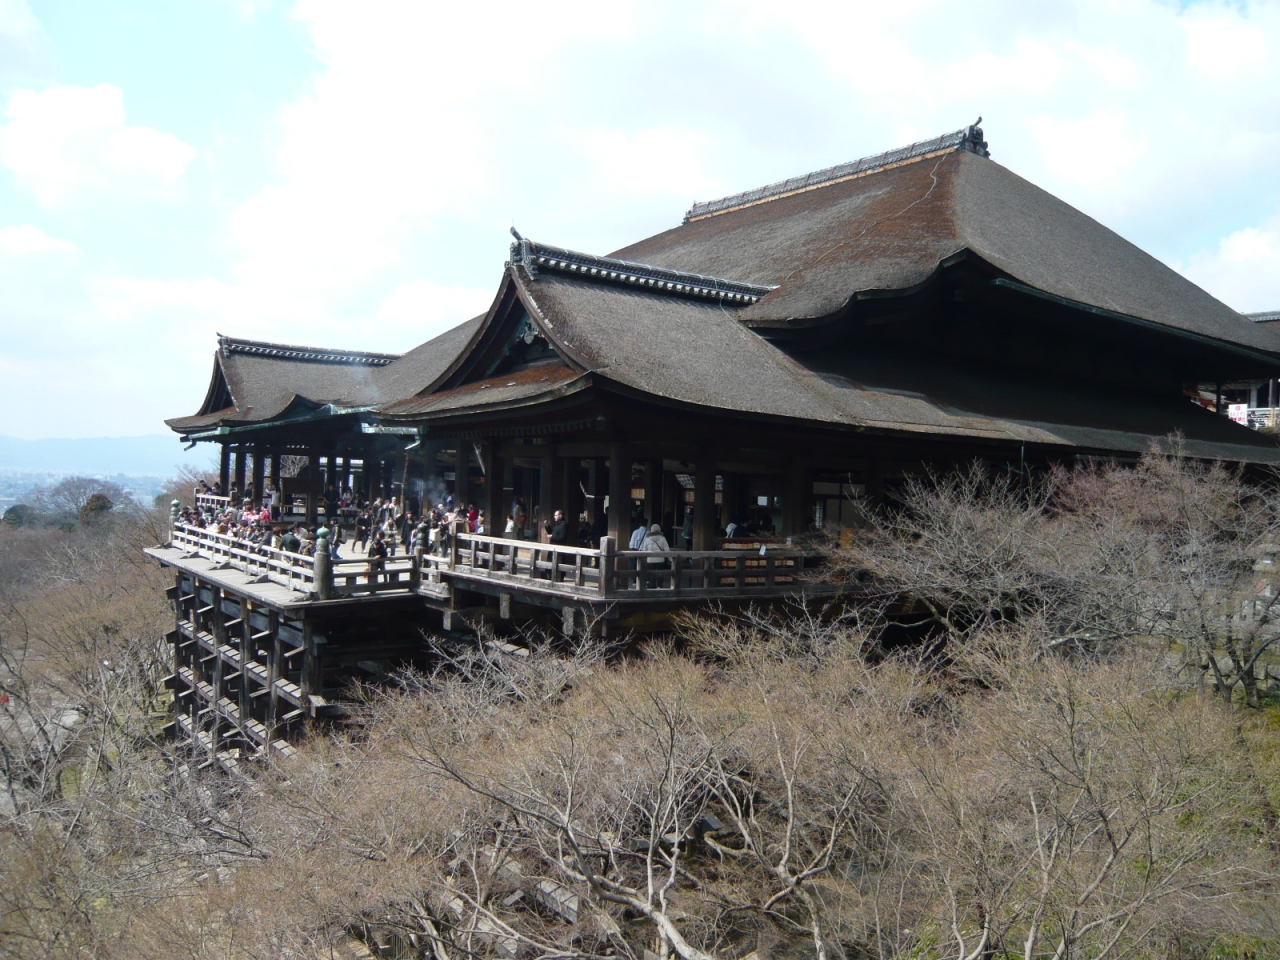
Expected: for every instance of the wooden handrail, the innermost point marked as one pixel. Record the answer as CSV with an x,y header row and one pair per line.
x,y
580,572
293,570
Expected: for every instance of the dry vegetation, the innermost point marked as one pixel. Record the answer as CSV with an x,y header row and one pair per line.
x,y
1041,776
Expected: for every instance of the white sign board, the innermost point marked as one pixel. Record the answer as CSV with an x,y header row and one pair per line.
x,y
1239,412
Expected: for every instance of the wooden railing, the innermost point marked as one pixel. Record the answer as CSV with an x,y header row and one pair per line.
x,y
212,501
347,577
576,569
607,573
577,572
688,573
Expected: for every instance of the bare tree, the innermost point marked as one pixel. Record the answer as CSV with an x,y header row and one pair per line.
x,y
68,497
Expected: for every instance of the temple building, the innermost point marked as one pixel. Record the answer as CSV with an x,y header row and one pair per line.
x,y
778,360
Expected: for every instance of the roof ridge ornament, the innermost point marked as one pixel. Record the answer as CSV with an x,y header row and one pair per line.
x,y
967,139
283,351
533,257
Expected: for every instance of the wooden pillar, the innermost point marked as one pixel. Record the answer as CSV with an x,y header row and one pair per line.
x,y
875,483
598,487
462,476
704,506
275,470
275,667
547,494
387,470
731,501
246,655
571,470
224,467
496,501
673,501
620,493
259,474
310,680
653,491
240,467
313,485
795,499
217,618
508,493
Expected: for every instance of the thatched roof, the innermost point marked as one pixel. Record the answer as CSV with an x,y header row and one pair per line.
x,y
890,229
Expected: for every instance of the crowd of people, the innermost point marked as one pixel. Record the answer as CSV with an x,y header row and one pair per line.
x,y
377,530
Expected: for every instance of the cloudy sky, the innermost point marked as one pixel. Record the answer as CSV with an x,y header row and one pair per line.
x,y
344,174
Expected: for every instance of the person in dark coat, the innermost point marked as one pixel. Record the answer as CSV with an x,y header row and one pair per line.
x,y
377,557
558,530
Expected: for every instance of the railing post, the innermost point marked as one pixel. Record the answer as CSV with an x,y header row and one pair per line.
x,y
323,566
174,507
606,566
458,526
419,550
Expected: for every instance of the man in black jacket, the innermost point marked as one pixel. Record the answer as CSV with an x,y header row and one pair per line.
x,y
558,530
377,557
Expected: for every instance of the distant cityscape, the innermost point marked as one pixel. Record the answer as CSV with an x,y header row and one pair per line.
x,y
141,465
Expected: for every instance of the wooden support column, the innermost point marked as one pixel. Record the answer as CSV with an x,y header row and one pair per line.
x,y
314,490
508,493
198,623
653,491
216,620
704,506
241,450
673,502
495,499
875,483
462,476
275,666
620,493
795,499
224,467
548,495
387,468
571,471
312,679
594,474
259,474
731,501
275,470
246,657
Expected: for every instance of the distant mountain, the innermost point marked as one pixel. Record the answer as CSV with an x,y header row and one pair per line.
x,y
157,454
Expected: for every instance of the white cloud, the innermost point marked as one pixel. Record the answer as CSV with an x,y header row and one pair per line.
x,y
17,20
429,129
1243,270
427,309
63,142
28,240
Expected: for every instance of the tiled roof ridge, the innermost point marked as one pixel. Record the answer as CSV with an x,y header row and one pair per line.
x,y
1264,317
539,256
285,351
966,138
